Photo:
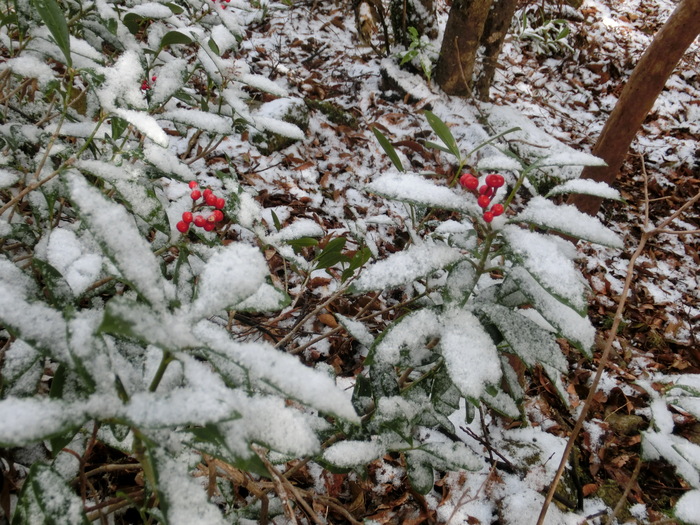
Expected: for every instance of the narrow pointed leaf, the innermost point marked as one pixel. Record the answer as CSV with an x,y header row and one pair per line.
x,y
388,149
53,17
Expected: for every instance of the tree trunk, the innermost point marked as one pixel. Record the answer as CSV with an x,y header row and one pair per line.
x,y
465,25
495,31
638,96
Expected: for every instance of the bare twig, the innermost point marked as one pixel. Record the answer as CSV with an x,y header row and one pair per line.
x,y
602,363
628,488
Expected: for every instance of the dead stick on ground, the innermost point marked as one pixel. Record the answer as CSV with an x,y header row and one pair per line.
x,y
646,235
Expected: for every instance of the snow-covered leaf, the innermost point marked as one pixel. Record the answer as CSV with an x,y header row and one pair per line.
x,y
526,339
31,419
404,267
115,230
568,220
417,190
47,498
182,499
135,320
281,371
348,454
678,451
570,324
406,340
540,255
230,276
470,355
586,187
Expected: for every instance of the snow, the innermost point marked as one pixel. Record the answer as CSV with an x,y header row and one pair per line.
x,y
567,219
687,508
416,189
126,247
404,267
353,453
230,276
552,269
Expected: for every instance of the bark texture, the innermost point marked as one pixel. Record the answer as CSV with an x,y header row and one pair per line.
x,y
494,34
638,96
465,26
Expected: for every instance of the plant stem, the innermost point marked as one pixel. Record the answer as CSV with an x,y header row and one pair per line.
x,y
164,362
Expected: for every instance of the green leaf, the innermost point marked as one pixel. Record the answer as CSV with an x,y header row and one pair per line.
x,y
53,17
132,21
433,145
119,125
420,472
442,131
212,45
176,9
174,37
388,149
57,291
46,498
332,254
276,220
358,260
492,139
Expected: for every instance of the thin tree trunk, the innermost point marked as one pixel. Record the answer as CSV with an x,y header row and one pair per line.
x,y
495,31
638,96
465,25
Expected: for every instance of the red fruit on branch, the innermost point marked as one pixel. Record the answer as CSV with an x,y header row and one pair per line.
x,y
488,216
497,209
217,215
200,221
210,198
182,227
187,217
484,201
495,181
469,181
193,184
209,226
220,203
196,194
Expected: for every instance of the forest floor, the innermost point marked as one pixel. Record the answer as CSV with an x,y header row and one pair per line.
x,y
568,93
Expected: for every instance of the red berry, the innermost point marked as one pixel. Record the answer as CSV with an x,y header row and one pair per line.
x,y
497,209
193,184
182,227
484,201
220,203
200,221
495,181
153,78
469,181
206,192
488,216
209,226
485,190
196,194
187,217
210,198
218,216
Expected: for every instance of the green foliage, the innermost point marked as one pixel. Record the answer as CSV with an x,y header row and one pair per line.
x,y
491,294
104,296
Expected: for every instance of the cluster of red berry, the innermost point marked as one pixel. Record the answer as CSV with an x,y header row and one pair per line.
x,y
223,3
145,86
486,192
200,221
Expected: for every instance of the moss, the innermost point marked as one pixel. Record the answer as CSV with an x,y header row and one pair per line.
x,y
333,112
